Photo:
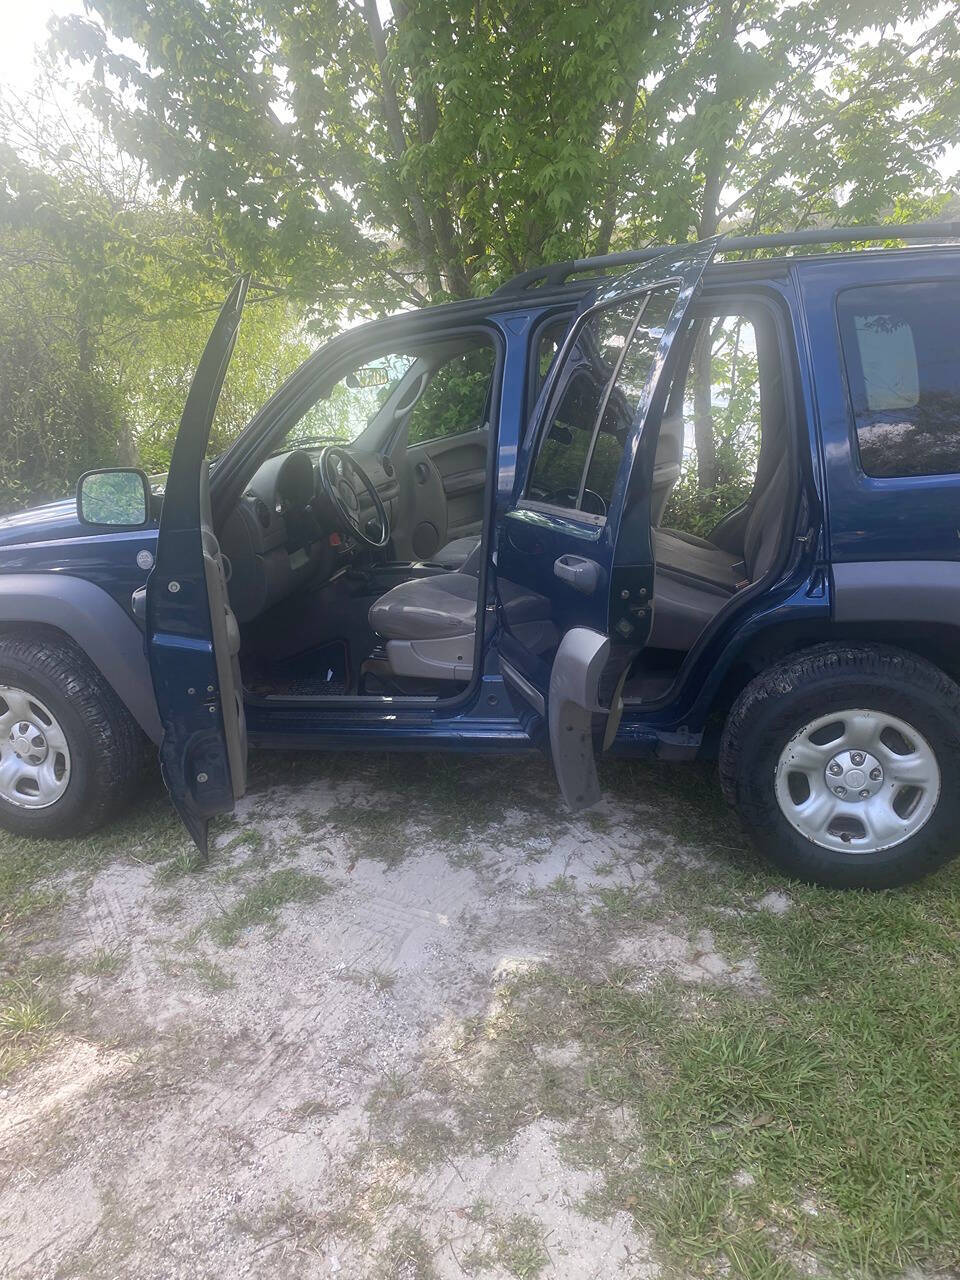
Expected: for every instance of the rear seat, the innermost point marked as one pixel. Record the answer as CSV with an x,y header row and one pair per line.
x,y
695,579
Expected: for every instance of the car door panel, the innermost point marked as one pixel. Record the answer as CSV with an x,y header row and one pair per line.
x,y
454,506
575,585
193,639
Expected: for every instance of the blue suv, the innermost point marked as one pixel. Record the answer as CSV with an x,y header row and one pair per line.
x,y
460,529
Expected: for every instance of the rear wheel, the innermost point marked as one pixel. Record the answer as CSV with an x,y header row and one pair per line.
x,y
70,752
841,762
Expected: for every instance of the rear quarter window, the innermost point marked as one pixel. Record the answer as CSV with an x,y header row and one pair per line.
x,y
901,347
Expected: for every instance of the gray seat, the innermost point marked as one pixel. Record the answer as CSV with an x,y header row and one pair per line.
x,y
427,608
698,560
456,553
428,626
695,579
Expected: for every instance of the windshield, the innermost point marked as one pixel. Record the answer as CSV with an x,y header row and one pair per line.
x,y
353,403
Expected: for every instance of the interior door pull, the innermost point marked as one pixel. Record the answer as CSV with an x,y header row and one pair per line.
x,y
582,574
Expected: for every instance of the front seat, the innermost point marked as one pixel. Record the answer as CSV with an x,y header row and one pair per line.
x,y
456,553
429,624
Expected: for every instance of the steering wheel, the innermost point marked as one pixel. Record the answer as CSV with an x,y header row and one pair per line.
x,y
336,468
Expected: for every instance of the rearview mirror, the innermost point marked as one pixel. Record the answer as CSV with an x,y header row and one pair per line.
x,y
368,375
113,496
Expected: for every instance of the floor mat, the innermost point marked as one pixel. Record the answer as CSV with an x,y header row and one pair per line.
x,y
322,672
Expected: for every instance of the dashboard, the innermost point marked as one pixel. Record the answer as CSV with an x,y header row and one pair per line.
x,y
284,532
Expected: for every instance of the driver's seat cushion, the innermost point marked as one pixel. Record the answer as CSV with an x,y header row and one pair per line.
x,y
427,608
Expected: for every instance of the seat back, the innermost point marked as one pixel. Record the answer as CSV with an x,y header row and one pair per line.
x,y
762,535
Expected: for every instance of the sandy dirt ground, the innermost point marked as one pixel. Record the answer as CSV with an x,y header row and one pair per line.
x,y
311,1058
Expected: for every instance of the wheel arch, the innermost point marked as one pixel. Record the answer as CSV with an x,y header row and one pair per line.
x,y
87,617
936,642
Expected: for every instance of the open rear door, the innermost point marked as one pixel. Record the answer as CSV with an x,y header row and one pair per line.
x,y
575,561
193,640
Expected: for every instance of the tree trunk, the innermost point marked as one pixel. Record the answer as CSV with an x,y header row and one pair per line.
x,y
394,120
713,160
611,192
702,412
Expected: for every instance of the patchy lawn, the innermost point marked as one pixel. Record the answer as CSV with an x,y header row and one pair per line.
x,y
414,1021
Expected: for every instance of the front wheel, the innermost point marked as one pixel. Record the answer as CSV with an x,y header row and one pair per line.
x,y
842,762
70,752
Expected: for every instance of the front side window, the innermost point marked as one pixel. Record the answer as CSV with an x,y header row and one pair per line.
x,y
901,344
439,395
456,399
598,395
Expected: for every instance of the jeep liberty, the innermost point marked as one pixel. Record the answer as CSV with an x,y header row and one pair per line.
x,y
347,575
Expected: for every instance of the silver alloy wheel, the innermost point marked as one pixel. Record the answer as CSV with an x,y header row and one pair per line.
x,y
859,781
34,756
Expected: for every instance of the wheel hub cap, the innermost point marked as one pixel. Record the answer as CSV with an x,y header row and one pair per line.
x,y
857,780
34,756
856,775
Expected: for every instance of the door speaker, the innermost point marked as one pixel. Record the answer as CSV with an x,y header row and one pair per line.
x,y
426,540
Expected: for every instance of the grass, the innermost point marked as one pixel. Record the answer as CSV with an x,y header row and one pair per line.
x,y
104,962
521,1248
149,834
259,904
380,981
211,975
27,1024
814,1120
407,1256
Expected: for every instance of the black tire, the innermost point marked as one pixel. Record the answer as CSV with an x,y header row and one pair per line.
x,y
813,683
107,748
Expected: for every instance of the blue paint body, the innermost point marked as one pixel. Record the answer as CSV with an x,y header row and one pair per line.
x,y
850,518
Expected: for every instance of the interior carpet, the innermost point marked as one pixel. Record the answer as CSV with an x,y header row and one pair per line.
x,y
322,672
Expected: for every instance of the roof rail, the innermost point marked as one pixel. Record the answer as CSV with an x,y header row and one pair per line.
x,y
557,273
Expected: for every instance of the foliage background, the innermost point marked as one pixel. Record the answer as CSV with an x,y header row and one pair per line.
x,y
357,157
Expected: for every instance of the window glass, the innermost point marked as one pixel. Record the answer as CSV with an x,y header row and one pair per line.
x,y
625,396
605,373
712,428
353,403
901,344
563,450
550,342
455,399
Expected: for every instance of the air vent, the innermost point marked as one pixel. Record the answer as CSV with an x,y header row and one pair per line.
x,y
263,513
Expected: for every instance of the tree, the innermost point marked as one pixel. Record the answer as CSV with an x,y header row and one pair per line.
x,y
106,298
374,162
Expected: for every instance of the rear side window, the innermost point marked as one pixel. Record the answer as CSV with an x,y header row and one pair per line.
x,y
901,344
598,395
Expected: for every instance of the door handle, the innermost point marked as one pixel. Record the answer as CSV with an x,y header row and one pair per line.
x,y
582,574
138,603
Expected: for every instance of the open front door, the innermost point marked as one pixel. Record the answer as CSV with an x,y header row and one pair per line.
x,y
575,561
192,636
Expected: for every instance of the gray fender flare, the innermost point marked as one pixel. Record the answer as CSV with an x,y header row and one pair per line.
x,y
897,591
94,621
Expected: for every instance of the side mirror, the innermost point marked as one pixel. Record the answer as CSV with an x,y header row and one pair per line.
x,y
114,496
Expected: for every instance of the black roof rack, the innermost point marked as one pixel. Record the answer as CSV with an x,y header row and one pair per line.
x,y
557,273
